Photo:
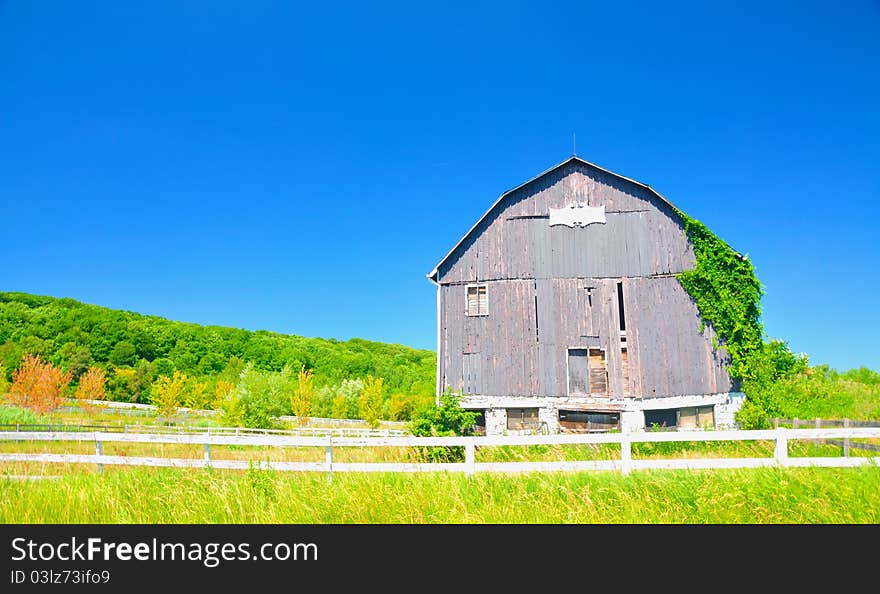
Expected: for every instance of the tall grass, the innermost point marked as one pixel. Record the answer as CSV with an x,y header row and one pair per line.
x,y
764,495
16,414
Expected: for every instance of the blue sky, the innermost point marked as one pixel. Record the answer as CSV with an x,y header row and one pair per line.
x,y
301,167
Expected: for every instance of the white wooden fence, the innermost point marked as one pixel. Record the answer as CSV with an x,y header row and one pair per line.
x,y
193,429
624,464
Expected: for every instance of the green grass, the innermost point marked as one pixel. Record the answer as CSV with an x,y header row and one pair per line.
x,y
765,495
15,414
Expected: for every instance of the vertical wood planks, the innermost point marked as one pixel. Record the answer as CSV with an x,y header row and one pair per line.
x,y
520,257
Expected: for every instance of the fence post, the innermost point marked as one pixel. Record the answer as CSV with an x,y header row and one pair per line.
x,y
818,426
776,422
207,448
470,458
846,440
328,458
99,451
781,452
625,454
795,423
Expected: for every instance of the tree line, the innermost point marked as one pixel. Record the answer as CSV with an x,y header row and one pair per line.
x,y
251,376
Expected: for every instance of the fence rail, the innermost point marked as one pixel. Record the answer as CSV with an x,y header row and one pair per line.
x,y
820,423
72,404
846,444
186,430
624,464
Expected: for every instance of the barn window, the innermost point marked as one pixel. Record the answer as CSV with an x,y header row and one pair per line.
x,y
479,426
522,418
686,418
661,418
583,421
696,416
578,372
477,301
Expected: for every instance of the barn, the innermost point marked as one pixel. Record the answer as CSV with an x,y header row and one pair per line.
x,y
560,311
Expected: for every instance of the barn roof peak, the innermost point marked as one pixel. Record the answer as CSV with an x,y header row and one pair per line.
x,y
572,159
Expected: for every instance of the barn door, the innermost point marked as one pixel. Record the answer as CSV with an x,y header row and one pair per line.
x,y
598,373
472,376
578,372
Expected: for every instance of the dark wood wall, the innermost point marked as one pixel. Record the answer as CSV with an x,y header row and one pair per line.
x,y
555,288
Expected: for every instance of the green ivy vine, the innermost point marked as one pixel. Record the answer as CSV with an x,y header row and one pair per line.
x,y
728,296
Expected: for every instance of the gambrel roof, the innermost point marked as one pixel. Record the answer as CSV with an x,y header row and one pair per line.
x,y
573,159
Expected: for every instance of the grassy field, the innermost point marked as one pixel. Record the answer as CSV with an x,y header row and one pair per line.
x,y
80,494
769,495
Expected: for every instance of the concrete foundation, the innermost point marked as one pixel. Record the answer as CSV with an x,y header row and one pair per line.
x,y
725,413
496,421
548,420
631,410
632,420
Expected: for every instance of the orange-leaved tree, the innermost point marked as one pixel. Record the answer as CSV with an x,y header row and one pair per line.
x,y
38,385
91,387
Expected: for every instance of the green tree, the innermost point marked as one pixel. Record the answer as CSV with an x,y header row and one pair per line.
x,y
167,394
339,408
4,383
197,394
141,384
10,356
229,404
80,362
303,394
262,396
371,401
164,366
123,353
405,407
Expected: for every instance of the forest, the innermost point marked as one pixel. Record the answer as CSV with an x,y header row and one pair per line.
x,y
141,358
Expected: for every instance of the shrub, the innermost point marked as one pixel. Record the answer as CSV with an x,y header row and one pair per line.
x,y
444,420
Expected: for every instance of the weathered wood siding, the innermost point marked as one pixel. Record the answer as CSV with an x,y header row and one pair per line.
x,y
666,353
641,237
555,288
